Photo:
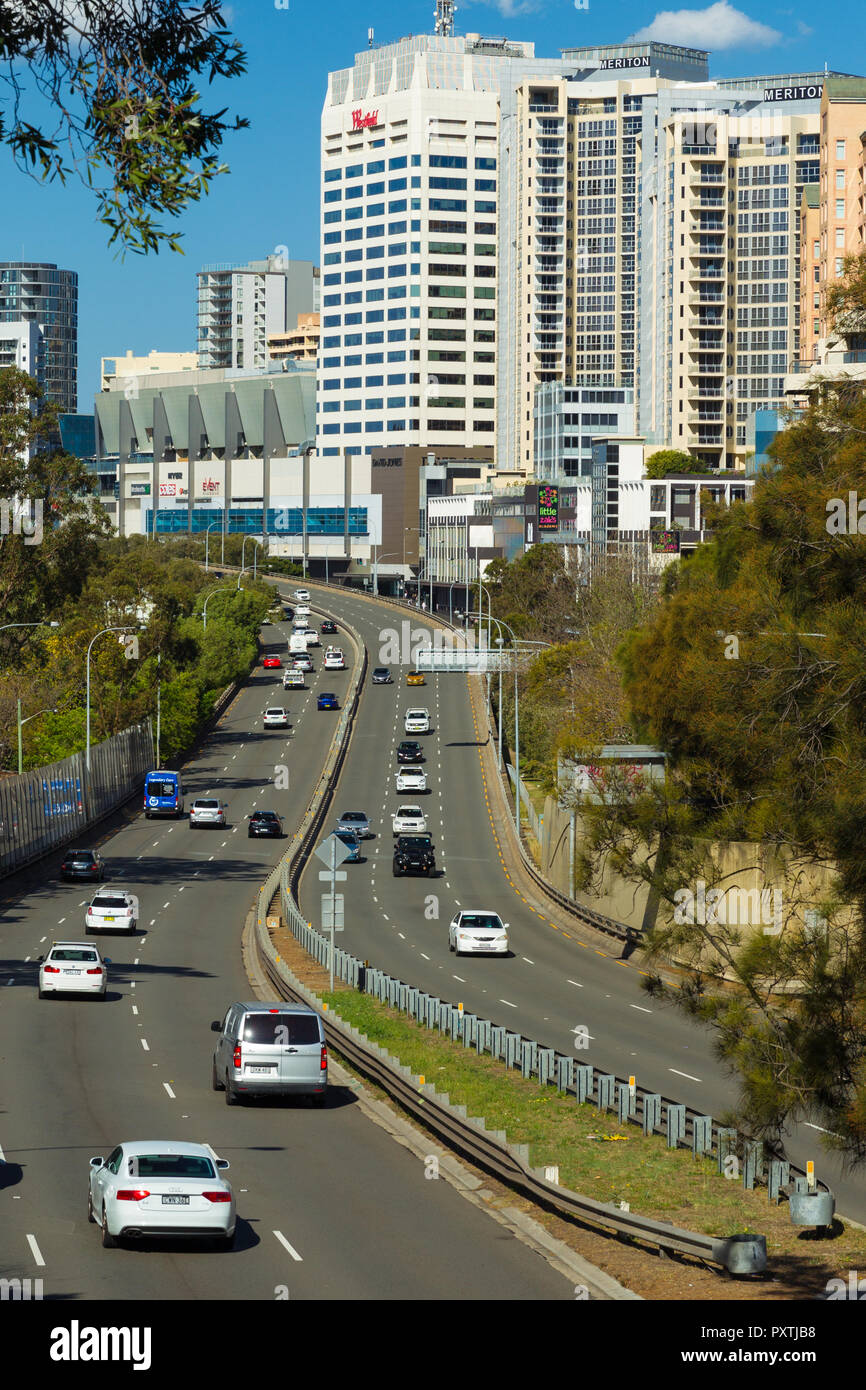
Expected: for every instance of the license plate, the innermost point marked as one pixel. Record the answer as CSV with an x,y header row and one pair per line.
x,y
175,1201
260,1071
72,972
108,919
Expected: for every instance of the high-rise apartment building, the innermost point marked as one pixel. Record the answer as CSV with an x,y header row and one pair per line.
x,y
612,220
38,293
240,307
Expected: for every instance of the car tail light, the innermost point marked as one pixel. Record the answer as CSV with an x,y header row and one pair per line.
x,y
323,1065
132,1194
97,970
217,1196
52,969
236,1057
93,868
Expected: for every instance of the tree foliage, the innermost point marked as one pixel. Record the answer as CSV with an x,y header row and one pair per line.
x,y
121,78
752,677
666,461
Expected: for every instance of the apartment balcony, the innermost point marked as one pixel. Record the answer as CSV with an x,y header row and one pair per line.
x,y
706,204
709,419
697,297
705,175
705,272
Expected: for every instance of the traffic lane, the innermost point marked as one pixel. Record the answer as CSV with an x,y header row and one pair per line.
x,y
674,1056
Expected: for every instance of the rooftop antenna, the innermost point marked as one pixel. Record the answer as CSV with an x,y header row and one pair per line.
x,y
370,38
445,18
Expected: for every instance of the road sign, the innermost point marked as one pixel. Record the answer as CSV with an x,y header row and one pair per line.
x,y
332,851
338,874
332,911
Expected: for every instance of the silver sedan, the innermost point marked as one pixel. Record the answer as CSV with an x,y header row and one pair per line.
x,y
206,811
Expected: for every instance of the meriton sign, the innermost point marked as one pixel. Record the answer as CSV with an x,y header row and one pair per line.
x,y
361,120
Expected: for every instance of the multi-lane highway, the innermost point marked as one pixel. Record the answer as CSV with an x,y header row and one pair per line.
x,y
329,1206
554,983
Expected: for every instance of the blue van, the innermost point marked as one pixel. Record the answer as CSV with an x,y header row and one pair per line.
x,y
163,794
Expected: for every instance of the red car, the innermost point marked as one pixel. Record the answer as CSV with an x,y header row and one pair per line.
x,y
271,661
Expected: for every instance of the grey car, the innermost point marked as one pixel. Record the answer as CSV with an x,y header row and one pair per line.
x,y
206,811
270,1050
356,823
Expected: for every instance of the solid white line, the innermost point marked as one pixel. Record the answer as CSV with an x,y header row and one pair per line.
x,y
576,982
683,1073
170,1091
37,1253
637,1006
509,1003
291,1249
144,1044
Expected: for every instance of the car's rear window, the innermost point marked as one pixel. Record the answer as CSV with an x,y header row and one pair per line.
x,y
81,856
170,1166
415,842
109,900
161,789
67,953
277,712
281,1029
208,805
265,815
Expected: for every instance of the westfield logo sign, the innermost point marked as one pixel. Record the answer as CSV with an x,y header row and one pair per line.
x,y
360,120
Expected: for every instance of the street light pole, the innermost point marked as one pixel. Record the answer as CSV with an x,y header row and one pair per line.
x,y
499,641
220,589
206,548
124,627
500,623
21,723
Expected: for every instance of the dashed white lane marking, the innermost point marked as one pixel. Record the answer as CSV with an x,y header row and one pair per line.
x,y
509,1003
385,915
291,1249
26,959
62,920
181,888
528,961
577,983
167,1088
460,978
42,938
640,1009
164,906
145,1044
684,1073
425,957
137,959
37,1253
135,1008
2,1155
819,1127
152,922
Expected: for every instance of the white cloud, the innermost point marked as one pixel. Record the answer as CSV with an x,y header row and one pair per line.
x,y
804,30
718,26
510,9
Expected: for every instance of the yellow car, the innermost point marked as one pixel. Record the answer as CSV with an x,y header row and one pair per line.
x,y
415,678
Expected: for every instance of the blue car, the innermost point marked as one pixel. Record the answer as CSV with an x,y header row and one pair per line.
x,y
327,701
352,843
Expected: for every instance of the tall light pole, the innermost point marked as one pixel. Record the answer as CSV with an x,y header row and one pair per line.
x,y
21,723
124,627
409,530
389,555
500,624
43,623
220,589
243,552
499,641
206,540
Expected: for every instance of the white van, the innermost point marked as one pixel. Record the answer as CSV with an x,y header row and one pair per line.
x,y
298,642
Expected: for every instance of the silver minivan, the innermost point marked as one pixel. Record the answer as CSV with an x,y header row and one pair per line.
x,y
269,1050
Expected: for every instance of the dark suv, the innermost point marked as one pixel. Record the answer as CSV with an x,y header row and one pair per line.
x,y
413,854
409,752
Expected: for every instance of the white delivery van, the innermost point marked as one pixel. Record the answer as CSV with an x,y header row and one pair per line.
x,y
298,643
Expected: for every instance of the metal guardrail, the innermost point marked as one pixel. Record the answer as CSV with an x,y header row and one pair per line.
x,y
468,1136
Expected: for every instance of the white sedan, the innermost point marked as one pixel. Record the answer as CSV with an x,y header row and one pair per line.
x,y
478,931
73,967
276,717
158,1188
411,779
409,820
334,661
112,910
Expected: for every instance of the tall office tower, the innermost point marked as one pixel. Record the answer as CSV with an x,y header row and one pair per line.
x,y
37,292
241,306
420,217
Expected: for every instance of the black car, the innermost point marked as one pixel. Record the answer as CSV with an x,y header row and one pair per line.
x,y
265,823
382,676
82,863
329,626
414,854
409,752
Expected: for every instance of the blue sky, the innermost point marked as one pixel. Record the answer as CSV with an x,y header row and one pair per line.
x,y
270,198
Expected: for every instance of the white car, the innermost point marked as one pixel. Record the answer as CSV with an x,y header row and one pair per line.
x,y
276,718
302,662
417,721
112,909
312,637
293,680
334,661
302,610
207,810
302,595
159,1188
409,820
478,931
73,967
299,624
411,779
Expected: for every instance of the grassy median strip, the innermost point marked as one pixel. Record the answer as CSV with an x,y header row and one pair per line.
x,y
597,1157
